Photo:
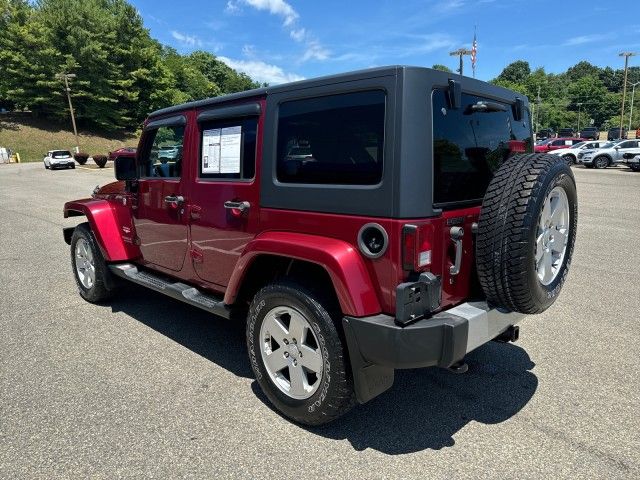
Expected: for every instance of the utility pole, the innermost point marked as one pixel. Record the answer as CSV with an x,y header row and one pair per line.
x,y
626,56
461,52
537,121
633,92
66,77
579,105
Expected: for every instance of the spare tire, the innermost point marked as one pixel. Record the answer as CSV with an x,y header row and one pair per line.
x,y
526,232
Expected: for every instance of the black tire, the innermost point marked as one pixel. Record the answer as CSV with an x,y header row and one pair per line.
x,y
588,165
335,394
635,168
73,167
507,229
101,289
570,159
601,162
45,166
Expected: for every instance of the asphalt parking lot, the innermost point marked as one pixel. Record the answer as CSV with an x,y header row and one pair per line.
x,y
149,387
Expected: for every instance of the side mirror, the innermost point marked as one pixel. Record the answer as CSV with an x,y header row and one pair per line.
x,y
125,168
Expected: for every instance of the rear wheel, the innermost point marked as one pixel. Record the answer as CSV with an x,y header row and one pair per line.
x,y
526,232
635,167
89,267
570,159
297,355
601,162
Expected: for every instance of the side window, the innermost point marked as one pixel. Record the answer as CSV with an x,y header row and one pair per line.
x,y
162,155
228,149
469,144
336,139
628,144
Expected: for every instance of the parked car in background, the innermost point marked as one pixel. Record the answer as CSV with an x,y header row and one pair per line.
x,y
638,133
58,159
632,159
590,133
566,132
614,134
570,154
122,152
556,143
610,154
545,133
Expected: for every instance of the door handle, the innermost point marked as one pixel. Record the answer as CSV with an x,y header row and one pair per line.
x,y
241,207
456,235
174,201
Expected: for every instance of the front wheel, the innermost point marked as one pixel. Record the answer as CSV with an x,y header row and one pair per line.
x,y
635,167
601,162
297,355
89,267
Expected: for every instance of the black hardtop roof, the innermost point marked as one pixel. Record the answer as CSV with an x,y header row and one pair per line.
x,y
330,79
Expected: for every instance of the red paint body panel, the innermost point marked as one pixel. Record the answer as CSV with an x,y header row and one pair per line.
x,y
340,259
106,223
547,147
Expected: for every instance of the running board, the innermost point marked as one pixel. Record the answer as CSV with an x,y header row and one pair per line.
x,y
180,291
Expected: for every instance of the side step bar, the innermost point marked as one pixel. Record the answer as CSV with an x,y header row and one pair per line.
x,y
180,291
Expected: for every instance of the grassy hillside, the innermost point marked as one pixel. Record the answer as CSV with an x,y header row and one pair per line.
x,y
32,138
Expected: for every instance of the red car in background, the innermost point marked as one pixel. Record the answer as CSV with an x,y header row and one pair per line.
x,y
122,152
557,143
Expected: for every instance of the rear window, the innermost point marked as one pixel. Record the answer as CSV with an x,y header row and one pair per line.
x,y
61,154
469,145
336,139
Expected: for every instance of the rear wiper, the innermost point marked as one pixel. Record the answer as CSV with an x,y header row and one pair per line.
x,y
484,107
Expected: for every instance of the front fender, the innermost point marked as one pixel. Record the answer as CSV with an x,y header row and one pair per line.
x,y
103,220
340,259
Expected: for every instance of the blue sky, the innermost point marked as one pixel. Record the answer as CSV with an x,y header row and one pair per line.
x,y
282,40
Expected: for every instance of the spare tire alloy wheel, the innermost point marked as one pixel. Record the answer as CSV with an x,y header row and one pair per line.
x,y
526,232
551,236
601,162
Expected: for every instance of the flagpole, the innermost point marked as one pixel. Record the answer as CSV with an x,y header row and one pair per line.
x,y
474,48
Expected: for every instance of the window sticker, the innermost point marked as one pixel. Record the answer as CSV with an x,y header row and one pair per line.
x,y
221,150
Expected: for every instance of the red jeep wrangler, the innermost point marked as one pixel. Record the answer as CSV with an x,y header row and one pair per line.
x,y
360,223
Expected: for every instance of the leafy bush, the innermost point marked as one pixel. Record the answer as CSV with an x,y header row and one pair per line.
x,y
81,157
100,160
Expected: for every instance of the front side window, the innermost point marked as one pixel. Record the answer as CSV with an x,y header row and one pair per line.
x,y
470,143
336,139
163,155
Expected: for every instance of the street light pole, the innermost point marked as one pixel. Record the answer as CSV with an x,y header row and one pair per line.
x,y
461,52
626,56
579,105
66,77
633,92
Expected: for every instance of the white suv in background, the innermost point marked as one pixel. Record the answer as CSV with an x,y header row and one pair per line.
x,y
608,155
570,154
58,159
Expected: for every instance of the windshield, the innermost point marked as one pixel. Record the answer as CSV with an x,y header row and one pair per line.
x,y
61,154
579,145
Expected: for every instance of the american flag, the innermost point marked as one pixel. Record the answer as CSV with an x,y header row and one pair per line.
x,y
474,52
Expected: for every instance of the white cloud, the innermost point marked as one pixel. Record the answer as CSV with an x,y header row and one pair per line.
x,y
315,51
261,71
275,7
186,40
582,39
298,35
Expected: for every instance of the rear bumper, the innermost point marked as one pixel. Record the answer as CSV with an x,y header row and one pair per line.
x,y
378,345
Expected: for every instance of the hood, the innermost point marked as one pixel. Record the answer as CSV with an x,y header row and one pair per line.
x,y
110,188
560,151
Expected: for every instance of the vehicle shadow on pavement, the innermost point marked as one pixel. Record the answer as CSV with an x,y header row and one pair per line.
x,y
425,408
216,339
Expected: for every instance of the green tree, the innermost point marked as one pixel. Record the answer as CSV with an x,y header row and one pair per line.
x,y
516,72
444,68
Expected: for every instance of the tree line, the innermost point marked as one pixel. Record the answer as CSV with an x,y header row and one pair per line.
x,y
121,72
585,89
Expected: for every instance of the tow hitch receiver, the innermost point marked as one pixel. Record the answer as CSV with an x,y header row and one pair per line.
x,y
511,334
